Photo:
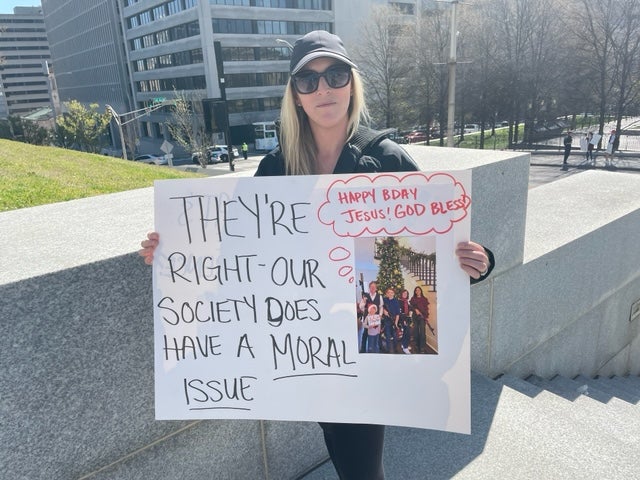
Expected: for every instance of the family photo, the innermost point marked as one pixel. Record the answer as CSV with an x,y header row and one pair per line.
x,y
396,295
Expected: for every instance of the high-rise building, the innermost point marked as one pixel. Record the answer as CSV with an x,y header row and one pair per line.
x,y
24,57
87,51
171,47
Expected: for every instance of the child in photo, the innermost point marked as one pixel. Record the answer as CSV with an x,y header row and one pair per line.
x,y
372,324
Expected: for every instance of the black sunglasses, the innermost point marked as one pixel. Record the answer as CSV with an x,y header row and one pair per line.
x,y
336,76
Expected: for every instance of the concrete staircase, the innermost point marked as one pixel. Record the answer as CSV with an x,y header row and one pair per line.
x,y
560,428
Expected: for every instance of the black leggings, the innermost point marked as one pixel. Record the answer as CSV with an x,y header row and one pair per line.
x,y
355,450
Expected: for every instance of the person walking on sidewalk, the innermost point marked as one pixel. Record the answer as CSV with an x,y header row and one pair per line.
x,y
245,150
568,140
590,146
612,146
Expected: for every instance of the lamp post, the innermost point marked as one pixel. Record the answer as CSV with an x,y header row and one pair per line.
x,y
116,117
451,112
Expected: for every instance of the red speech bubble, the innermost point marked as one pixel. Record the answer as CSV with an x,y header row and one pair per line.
x,y
391,204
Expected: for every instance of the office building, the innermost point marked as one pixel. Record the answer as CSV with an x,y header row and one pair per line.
x,y
24,57
87,52
146,50
171,48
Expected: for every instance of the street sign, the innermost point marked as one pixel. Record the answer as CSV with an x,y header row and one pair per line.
x,y
166,147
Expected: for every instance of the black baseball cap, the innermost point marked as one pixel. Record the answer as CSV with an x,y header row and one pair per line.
x,y
316,44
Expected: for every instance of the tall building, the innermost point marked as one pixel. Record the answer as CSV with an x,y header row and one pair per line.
x,y
171,47
87,51
24,57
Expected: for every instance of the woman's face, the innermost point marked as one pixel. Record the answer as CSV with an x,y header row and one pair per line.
x,y
417,292
326,107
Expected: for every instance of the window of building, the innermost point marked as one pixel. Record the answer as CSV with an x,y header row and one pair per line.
x,y
159,12
267,79
404,8
243,3
145,17
226,25
173,7
163,36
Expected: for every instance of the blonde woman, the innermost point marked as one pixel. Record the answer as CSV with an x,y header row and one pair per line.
x,y
321,114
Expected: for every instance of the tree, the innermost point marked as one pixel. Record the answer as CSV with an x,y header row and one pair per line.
x,y
186,125
626,50
381,55
34,134
390,271
82,128
608,33
430,74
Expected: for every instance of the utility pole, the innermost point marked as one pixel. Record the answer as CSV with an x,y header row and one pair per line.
x,y
217,48
452,76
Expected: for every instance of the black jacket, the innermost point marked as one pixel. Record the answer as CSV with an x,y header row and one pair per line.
x,y
385,156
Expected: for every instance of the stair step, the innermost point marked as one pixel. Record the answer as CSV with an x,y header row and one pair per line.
x,y
627,386
617,389
518,430
633,379
580,386
519,385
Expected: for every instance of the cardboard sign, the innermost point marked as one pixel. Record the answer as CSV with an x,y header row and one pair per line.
x,y
258,299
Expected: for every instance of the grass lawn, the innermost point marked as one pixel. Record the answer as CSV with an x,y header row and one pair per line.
x,y
32,175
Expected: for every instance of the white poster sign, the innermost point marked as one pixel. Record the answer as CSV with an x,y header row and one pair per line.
x,y
258,289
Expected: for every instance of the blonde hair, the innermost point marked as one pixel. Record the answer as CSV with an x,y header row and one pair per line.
x,y
296,140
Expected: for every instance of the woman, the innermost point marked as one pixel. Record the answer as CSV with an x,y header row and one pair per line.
x,y
405,315
321,111
420,309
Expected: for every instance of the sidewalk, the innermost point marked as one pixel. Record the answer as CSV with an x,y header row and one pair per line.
x,y
242,167
623,161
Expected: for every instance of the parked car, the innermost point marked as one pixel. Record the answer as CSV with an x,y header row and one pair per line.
x,y
216,154
471,128
151,159
212,157
416,136
221,150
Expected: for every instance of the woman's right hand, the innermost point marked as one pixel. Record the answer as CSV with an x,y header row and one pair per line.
x,y
149,247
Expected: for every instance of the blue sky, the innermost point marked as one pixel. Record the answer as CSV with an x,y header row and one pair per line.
x,y
6,6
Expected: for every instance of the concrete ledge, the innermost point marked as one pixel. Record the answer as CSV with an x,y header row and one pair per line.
x,y
500,193
566,310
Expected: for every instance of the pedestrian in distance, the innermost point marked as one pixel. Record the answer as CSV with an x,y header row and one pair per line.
x,y
245,150
590,146
568,141
612,146
322,111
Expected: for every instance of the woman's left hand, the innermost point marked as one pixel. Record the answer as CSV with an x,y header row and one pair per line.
x,y
473,259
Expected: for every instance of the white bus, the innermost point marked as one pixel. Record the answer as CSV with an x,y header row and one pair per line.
x,y
265,135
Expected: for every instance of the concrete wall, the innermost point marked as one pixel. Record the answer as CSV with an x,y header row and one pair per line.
x,y
76,383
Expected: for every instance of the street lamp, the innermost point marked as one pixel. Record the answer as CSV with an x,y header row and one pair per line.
x,y
452,77
284,42
116,117
217,48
